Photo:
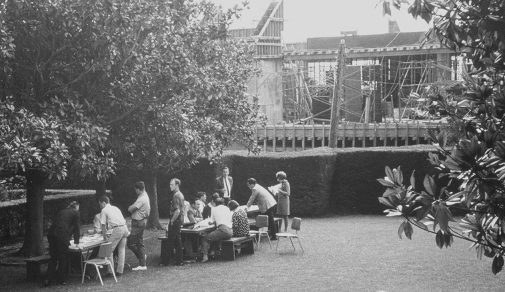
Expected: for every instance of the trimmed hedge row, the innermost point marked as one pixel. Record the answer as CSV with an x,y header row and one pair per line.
x,y
13,213
199,178
323,180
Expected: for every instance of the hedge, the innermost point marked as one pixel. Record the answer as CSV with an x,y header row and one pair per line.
x,y
13,213
323,180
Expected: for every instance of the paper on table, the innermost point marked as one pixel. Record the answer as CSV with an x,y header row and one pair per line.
x,y
203,223
252,208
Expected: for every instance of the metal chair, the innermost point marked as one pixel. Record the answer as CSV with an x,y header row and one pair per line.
x,y
100,261
295,225
262,224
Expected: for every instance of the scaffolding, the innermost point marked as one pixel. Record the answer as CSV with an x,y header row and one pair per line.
x,y
387,87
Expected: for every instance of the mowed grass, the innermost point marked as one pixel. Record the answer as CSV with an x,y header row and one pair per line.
x,y
349,253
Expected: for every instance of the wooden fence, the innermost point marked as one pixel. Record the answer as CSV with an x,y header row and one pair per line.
x,y
301,137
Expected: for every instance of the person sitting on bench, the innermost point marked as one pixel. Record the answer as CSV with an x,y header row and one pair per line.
x,y
240,224
221,217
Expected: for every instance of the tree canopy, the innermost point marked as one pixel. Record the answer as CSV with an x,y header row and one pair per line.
x,y
468,179
88,83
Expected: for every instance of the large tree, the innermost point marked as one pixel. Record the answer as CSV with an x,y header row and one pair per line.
x,y
469,178
54,72
184,97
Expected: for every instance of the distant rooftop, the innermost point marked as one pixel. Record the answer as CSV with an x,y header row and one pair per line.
x,y
367,41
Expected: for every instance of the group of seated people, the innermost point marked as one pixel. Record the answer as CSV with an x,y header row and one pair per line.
x,y
230,220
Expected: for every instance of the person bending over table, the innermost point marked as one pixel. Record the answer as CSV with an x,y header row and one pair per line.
x,y
66,223
266,204
112,216
221,217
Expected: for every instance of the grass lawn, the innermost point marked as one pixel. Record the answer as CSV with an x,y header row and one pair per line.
x,y
350,253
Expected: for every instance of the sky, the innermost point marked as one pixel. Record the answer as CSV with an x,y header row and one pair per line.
x,y
325,18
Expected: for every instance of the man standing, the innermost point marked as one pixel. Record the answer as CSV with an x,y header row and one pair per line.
x,y
266,204
66,223
221,217
175,224
111,216
140,211
224,184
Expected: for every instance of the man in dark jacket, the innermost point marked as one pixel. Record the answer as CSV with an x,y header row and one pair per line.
x,y
66,224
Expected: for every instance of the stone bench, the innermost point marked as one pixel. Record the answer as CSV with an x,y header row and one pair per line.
x,y
33,265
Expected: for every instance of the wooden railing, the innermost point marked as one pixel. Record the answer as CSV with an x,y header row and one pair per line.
x,y
291,137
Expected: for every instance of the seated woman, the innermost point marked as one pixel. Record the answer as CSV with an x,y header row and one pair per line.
x,y
240,224
201,201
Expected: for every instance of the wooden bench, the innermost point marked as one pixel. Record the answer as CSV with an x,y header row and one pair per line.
x,y
33,266
229,246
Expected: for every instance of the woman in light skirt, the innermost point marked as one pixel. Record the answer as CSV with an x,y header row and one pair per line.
x,y
283,194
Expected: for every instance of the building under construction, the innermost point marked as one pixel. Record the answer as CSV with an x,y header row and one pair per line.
x,y
385,75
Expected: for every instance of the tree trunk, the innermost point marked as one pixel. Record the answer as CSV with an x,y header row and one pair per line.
x,y
153,222
34,224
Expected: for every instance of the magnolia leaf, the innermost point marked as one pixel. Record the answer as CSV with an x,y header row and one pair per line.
x,y
439,239
429,185
413,179
386,201
401,229
497,264
407,228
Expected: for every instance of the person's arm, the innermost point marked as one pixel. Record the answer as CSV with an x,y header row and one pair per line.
x,y
284,189
252,198
134,207
191,216
175,215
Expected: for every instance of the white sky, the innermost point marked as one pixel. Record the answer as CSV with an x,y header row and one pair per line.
x,y
324,18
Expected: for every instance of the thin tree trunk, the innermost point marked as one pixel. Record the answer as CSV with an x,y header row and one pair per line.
x,y
153,222
34,224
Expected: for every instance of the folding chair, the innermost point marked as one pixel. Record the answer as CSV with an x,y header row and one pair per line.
x,y
295,225
261,223
100,261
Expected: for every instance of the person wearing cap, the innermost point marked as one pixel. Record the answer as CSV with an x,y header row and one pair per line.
x,y
66,223
240,224
140,211
221,217
266,204
111,216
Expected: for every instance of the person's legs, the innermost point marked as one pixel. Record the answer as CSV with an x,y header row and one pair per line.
x,y
286,223
221,233
121,252
136,240
132,241
178,247
115,237
62,256
272,227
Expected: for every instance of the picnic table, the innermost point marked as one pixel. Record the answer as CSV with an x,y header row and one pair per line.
x,y
86,246
197,231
